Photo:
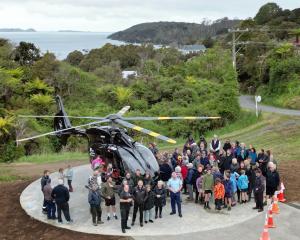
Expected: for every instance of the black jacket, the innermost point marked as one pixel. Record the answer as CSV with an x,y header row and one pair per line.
x,y
139,195
149,200
160,201
272,179
225,162
259,186
165,172
60,194
44,180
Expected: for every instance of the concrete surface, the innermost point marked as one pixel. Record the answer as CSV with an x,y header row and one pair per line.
x,y
241,223
248,102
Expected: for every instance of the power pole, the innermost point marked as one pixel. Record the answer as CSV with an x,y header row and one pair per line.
x,y
234,43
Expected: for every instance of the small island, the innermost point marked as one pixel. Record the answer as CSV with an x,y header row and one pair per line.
x,y
17,30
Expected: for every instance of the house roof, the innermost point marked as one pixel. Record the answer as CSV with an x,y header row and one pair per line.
x,y
197,47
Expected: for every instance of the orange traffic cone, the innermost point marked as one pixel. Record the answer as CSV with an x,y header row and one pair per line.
x,y
265,234
275,207
281,194
270,220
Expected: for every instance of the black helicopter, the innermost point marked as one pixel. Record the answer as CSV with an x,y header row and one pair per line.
x,y
111,142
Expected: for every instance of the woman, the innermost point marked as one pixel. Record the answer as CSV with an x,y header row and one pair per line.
x,y
160,199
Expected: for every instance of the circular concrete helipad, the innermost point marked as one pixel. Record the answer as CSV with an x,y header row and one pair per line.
x,y
195,218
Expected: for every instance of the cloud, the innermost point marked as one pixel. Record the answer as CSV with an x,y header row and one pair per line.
x,y
113,15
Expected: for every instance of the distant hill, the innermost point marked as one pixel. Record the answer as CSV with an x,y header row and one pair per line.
x,y
173,32
17,30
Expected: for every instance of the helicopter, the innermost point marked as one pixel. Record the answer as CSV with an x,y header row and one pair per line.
x,y
111,142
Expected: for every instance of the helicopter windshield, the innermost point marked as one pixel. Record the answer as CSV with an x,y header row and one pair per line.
x,y
139,157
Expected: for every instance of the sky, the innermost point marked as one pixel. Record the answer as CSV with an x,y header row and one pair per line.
x,y
115,15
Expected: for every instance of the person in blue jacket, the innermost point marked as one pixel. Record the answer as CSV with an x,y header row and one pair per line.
x,y
243,186
233,178
228,190
253,155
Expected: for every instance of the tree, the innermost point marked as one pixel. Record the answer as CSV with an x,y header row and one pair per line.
x,y
267,12
46,68
123,95
75,57
208,42
27,53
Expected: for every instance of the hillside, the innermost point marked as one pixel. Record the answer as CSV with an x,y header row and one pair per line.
x,y
17,30
173,32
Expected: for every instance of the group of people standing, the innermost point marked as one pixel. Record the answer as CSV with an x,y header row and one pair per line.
x,y
230,173
56,199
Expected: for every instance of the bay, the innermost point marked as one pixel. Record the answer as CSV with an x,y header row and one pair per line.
x,y
61,43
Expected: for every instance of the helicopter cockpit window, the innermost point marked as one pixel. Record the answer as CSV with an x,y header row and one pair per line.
x,y
129,160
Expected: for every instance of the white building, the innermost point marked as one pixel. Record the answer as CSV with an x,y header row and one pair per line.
x,y
190,49
126,74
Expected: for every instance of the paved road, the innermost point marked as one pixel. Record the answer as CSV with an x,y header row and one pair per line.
x,y
249,103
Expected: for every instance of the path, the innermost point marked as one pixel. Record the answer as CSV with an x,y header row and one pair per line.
x,y
248,102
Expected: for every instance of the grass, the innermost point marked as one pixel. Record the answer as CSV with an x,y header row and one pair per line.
x,y
52,157
7,176
246,119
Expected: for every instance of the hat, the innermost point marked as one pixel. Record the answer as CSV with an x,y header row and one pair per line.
x,y
190,165
60,181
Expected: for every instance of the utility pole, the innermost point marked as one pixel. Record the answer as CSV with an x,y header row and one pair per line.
x,y
235,42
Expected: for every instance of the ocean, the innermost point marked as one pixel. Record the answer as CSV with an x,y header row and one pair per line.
x,y
61,43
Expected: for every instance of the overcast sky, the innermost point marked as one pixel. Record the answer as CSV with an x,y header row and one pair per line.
x,y
114,15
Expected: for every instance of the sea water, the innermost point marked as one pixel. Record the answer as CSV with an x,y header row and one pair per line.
x,y
61,43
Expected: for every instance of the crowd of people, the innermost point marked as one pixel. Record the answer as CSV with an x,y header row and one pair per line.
x,y
229,173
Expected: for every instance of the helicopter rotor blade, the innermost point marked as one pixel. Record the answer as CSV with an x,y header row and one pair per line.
x,y
123,110
62,130
54,116
146,131
168,118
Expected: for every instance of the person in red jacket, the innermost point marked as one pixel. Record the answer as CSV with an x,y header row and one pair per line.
x,y
184,171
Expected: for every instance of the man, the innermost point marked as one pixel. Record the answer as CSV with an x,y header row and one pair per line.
x,y
139,196
215,145
175,186
125,204
109,196
272,180
94,199
44,180
137,177
227,145
69,176
259,188
189,181
262,160
61,196
51,209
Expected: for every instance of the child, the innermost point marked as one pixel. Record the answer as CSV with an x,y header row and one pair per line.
x,y
259,188
219,192
149,204
228,190
207,185
243,186
199,188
